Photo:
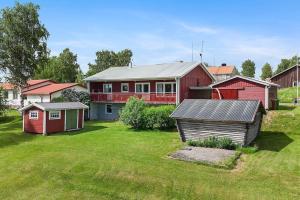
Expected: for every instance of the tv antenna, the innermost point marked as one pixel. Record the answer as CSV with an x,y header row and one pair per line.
x,y
201,52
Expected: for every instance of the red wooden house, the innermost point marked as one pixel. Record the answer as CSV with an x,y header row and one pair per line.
x,y
47,118
288,77
239,87
156,84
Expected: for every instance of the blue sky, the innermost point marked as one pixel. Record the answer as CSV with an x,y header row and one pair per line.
x,y
163,31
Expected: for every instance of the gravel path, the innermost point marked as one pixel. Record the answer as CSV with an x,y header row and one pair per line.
x,y
200,154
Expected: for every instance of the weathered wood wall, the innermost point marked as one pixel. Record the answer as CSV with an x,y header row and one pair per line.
x,y
287,78
194,130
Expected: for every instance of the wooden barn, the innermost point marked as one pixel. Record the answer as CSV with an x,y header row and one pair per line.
x,y
239,120
287,78
47,118
239,87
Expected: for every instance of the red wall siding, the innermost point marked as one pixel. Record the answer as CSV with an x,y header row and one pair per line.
x,y
80,118
246,89
116,86
56,125
196,77
31,125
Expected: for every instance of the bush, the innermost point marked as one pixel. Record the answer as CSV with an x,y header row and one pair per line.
x,y
214,142
159,117
132,113
140,116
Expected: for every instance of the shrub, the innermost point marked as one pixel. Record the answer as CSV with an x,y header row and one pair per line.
x,y
159,117
140,116
132,113
214,142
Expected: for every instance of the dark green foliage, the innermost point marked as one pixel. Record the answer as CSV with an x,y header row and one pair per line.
x,y
22,42
3,106
214,142
286,63
71,95
248,68
266,71
140,116
62,69
106,59
159,117
132,113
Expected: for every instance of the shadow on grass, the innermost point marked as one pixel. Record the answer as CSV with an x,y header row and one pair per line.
x,y
11,134
273,141
86,129
286,107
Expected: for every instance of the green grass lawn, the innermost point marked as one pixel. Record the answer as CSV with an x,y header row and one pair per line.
x,y
111,161
287,95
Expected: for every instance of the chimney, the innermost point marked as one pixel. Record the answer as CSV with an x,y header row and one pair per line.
x,y
223,64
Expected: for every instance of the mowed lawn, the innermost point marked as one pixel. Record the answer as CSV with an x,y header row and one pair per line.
x,y
108,160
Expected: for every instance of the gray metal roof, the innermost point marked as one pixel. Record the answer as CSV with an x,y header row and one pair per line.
x,y
57,106
266,83
217,110
149,72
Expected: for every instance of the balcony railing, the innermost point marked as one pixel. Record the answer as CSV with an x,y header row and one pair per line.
x,y
122,97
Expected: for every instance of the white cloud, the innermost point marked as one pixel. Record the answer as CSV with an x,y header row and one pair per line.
x,y
198,29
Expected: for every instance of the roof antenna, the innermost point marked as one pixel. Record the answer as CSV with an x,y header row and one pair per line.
x,y
201,53
192,51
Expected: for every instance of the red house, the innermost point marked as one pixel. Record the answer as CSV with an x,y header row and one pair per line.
x,y
239,87
167,83
47,118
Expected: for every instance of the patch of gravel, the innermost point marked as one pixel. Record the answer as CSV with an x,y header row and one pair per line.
x,y
201,154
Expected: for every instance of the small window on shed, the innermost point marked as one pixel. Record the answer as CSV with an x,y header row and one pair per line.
x,y
54,114
33,114
108,109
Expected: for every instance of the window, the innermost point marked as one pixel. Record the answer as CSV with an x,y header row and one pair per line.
x,y
108,109
165,88
54,114
295,84
124,87
107,88
142,87
5,94
33,114
15,94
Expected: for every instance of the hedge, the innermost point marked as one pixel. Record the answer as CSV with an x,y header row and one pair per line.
x,y
141,116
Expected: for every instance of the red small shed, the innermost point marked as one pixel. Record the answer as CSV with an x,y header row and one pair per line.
x,y
245,88
47,118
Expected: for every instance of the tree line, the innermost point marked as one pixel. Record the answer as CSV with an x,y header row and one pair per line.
x,y
248,67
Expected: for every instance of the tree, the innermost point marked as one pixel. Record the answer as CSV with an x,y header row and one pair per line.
x,y
248,68
286,63
63,68
71,95
106,59
3,106
22,42
266,71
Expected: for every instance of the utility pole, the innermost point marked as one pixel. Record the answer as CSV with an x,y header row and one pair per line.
x,y
192,51
297,65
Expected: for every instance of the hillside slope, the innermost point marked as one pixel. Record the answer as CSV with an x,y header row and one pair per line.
x,y
287,95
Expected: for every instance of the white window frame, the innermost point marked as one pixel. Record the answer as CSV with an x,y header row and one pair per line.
x,y
54,111
122,84
34,111
106,109
110,87
142,83
164,87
